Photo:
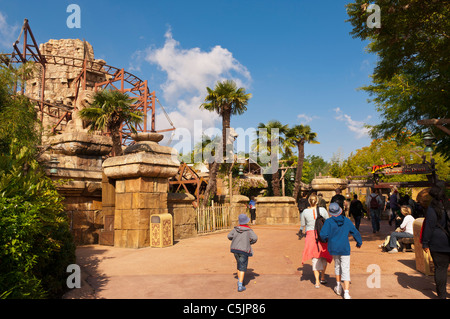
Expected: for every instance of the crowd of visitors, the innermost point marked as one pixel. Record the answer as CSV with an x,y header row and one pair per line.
x,y
326,232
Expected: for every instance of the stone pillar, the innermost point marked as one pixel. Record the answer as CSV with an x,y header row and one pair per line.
x,y
141,176
327,186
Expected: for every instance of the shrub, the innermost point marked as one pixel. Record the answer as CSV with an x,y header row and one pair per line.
x,y
35,242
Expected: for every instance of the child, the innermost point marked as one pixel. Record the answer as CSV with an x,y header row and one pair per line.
x,y
242,237
336,230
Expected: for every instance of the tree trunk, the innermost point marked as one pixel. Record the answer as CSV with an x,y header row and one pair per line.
x,y
276,183
226,120
299,173
117,141
211,187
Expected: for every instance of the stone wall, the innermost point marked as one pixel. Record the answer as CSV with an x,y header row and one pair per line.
x,y
86,218
276,211
184,215
80,157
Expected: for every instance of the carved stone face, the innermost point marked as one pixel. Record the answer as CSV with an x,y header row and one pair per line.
x,y
85,98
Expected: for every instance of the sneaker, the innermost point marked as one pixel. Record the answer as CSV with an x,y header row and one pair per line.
x,y
338,290
393,251
241,287
347,295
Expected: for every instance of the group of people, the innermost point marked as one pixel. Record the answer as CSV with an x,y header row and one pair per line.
x,y
330,243
328,240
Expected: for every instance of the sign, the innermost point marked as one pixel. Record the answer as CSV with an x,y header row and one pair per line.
x,y
409,169
377,168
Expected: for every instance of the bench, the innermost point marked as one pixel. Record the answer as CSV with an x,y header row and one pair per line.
x,y
407,242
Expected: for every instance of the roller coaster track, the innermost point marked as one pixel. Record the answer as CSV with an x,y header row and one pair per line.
x,y
116,79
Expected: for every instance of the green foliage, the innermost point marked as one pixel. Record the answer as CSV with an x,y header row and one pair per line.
x,y
391,151
226,97
17,114
35,242
411,81
313,166
109,110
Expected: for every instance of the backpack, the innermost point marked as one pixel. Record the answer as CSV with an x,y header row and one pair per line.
x,y
446,229
320,220
374,202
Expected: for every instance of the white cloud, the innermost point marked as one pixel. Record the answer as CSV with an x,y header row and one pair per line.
x,y
305,119
8,33
189,72
355,126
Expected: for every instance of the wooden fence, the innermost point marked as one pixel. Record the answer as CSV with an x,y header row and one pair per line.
x,y
211,219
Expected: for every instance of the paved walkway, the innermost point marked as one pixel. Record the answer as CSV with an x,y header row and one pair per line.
x,y
203,268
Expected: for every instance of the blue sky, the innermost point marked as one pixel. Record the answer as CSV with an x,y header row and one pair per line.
x,y
296,57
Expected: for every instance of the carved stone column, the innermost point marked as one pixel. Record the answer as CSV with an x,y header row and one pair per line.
x,y
141,176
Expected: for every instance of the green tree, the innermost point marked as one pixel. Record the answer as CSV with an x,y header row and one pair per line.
x,y
313,166
109,110
297,136
266,143
226,100
35,241
388,151
411,80
17,114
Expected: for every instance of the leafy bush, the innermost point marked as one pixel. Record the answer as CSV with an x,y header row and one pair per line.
x,y
35,242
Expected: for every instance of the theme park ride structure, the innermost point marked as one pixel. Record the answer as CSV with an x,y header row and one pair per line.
x,y
92,75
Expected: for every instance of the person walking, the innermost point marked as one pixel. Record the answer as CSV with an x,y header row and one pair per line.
x,y
302,205
336,230
338,198
374,203
322,202
395,207
436,236
404,231
242,238
252,208
356,210
314,249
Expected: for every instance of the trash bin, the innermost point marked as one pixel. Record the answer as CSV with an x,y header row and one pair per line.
x,y
161,230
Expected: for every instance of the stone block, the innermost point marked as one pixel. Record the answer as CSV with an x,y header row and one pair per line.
x,y
120,186
124,200
149,200
137,219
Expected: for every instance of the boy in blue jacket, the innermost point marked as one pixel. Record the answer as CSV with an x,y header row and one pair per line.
x,y
336,230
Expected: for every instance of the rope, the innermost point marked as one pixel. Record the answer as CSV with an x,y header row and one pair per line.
x,y
169,120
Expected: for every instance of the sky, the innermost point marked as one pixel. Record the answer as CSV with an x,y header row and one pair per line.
x,y
296,57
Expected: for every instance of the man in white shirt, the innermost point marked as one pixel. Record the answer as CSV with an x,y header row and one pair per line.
x,y
405,231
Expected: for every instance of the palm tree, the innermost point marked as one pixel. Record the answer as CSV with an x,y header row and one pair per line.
x,y
265,143
226,99
298,136
108,111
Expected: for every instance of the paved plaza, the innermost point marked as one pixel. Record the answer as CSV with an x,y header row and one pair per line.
x,y
203,268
